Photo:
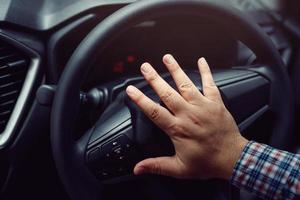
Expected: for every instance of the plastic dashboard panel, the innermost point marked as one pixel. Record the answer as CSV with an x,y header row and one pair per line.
x,y
46,14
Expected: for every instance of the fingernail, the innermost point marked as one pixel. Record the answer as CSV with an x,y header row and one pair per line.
x,y
169,59
202,61
146,68
130,89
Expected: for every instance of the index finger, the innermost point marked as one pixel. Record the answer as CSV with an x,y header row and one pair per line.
x,y
167,94
158,114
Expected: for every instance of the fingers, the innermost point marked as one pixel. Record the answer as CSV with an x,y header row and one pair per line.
x,y
185,86
166,166
167,94
210,89
158,114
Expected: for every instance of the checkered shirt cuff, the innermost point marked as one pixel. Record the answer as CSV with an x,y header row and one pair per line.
x,y
268,172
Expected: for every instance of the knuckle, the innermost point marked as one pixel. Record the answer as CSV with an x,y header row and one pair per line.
x,y
175,129
211,86
154,114
186,86
156,169
167,96
195,119
215,94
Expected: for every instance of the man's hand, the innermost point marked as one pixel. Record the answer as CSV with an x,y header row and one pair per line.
x,y
205,136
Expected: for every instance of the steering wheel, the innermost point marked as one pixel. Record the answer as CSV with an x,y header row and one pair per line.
x,y
123,135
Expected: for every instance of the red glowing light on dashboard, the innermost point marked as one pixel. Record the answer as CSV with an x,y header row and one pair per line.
x,y
119,67
131,59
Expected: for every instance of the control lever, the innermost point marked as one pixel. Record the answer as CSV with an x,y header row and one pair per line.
x,y
94,98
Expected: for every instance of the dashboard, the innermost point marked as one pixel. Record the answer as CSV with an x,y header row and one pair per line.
x,y
46,14
185,37
182,36
64,24
55,28
147,42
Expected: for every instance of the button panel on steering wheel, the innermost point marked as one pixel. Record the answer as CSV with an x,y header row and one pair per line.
x,y
114,157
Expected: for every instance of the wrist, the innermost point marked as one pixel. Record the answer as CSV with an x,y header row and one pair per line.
x,y
232,155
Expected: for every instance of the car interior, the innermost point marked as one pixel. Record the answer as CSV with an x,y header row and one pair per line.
x,y
68,129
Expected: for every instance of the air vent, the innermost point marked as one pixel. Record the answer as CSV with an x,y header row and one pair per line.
x,y
13,70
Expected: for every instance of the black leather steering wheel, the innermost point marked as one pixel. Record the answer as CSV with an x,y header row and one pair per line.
x,y
79,162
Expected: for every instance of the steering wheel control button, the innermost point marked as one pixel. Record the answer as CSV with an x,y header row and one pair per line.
x,y
117,151
115,143
112,158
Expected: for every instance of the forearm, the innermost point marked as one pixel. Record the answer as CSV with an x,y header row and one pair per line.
x,y
268,172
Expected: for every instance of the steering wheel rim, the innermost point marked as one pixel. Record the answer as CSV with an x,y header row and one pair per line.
x,y
77,179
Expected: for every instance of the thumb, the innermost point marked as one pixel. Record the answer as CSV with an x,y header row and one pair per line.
x,y
167,166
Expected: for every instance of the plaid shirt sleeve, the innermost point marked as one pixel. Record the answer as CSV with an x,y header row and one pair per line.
x,y
268,172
